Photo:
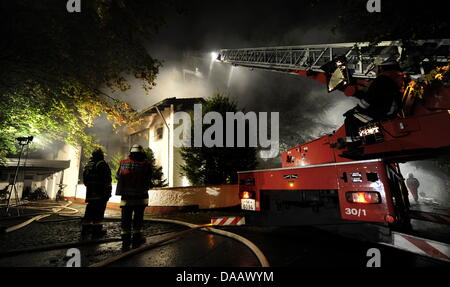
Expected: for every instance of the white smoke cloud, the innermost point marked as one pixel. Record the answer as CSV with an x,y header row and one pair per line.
x,y
172,81
434,184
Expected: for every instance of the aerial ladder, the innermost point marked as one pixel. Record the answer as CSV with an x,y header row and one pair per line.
x,y
321,180
415,133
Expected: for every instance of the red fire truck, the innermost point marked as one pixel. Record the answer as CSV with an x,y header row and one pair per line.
x,y
320,183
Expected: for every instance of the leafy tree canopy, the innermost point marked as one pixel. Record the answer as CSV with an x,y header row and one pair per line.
x,y
53,64
217,165
156,173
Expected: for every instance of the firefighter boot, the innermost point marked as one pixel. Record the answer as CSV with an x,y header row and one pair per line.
x,y
138,239
97,231
85,230
126,241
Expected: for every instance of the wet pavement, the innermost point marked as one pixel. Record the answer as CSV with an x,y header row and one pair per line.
x,y
310,247
198,249
46,234
306,246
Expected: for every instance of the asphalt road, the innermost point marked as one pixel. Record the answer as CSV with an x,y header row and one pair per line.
x,y
298,247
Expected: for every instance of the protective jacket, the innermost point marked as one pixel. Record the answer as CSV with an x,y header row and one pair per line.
x,y
383,97
412,183
97,178
134,181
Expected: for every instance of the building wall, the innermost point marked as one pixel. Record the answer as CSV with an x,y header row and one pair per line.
x,y
203,197
6,177
71,174
160,146
33,180
48,179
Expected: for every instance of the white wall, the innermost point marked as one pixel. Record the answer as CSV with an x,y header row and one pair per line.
x,y
205,197
70,174
47,181
81,193
159,147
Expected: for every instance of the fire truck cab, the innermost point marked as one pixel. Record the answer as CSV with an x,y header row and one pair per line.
x,y
369,190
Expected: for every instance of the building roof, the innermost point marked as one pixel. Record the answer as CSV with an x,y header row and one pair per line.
x,y
180,104
54,165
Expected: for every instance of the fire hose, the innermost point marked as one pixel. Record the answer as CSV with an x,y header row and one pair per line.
x,y
48,210
258,253
51,209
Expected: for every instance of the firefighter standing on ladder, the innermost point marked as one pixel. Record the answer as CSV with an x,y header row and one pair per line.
x,y
381,100
97,178
134,181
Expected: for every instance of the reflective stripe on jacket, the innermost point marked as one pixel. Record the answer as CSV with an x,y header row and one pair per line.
x,y
384,95
134,178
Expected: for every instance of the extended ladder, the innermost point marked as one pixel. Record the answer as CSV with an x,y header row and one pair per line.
x,y
360,56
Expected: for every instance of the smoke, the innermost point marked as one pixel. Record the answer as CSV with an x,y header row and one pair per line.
x,y
173,81
306,109
434,183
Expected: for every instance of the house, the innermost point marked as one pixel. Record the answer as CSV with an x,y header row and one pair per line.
x,y
155,130
47,172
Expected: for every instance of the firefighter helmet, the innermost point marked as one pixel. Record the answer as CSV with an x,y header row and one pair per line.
x,y
137,148
98,153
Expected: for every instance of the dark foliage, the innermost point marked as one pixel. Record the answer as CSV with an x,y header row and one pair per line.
x,y
217,165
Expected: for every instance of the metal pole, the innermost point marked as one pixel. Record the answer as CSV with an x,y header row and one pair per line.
x,y
13,186
168,144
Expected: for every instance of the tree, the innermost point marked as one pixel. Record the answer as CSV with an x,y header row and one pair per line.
x,y
115,163
217,165
157,174
156,171
54,64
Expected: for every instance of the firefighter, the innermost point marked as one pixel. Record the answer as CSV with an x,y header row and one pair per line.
x,y
413,185
97,178
380,101
134,181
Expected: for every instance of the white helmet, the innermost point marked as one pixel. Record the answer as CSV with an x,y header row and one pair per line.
x,y
137,148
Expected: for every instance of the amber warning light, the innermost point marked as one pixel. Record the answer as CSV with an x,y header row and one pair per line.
x,y
363,197
246,195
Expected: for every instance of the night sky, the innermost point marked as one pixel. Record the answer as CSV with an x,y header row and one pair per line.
x,y
306,109
206,26
195,28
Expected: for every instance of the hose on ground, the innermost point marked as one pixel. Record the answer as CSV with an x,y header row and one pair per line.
x,y
258,253
142,248
55,210
67,245
61,220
